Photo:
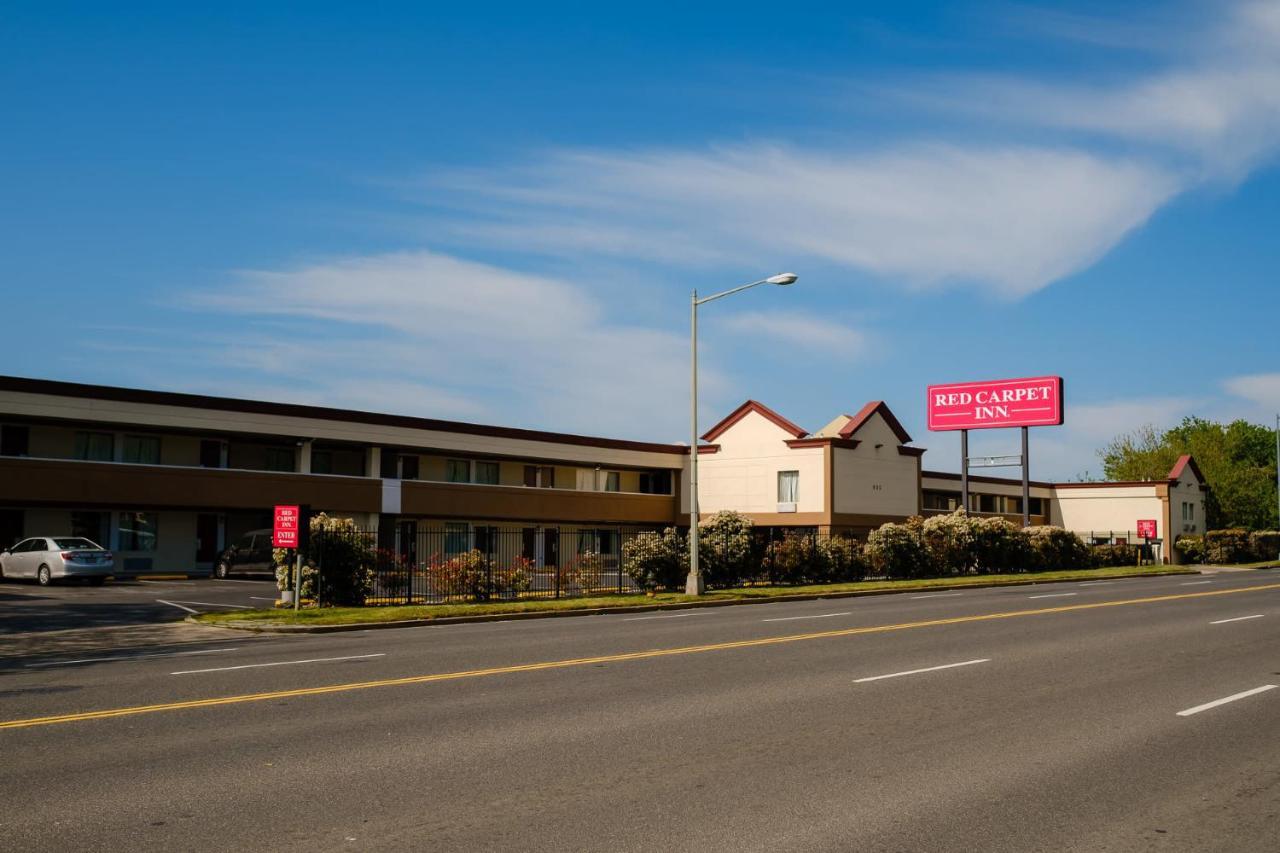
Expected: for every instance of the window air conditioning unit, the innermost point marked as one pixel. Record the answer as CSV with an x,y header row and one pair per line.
x,y
787,507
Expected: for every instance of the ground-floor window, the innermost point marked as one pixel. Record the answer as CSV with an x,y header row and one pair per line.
x,y
94,526
139,531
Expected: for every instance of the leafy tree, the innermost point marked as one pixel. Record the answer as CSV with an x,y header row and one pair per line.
x,y
1238,460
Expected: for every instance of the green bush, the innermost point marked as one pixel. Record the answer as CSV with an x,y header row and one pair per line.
x,y
656,560
1056,549
1227,546
337,567
841,560
1265,544
725,556
898,550
951,542
1001,546
1118,554
1191,548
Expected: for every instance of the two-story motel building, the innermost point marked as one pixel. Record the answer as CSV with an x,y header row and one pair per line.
x,y
166,480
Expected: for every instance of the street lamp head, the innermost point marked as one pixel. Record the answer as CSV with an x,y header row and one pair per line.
x,y
782,278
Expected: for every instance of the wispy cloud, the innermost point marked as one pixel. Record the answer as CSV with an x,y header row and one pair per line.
x,y
799,330
1261,389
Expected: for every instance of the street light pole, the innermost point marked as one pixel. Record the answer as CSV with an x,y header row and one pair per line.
x,y
694,583
1278,473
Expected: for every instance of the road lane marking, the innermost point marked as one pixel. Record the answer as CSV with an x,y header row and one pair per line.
x,y
1238,619
277,663
211,604
672,616
261,598
1055,595
128,657
918,671
1095,583
1194,583
179,606
937,595
792,618
1225,699
213,701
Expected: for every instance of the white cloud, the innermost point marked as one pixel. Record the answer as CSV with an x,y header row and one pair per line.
x,y
426,333
1261,389
798,330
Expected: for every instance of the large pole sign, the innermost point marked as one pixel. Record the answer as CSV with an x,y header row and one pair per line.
x,y
999,404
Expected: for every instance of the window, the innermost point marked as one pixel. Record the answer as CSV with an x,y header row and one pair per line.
x,y
788,487
279,459
409,466
77,543
321,461
655,483
612,481
389,467
485,539
15,441
95,446
456,536
457,471
210,453
142,449
941,500
986,503
1037,506
603,542
540,476
138,531
90,525
487,473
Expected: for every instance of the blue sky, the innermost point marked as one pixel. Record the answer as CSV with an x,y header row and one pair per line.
x,y
496,213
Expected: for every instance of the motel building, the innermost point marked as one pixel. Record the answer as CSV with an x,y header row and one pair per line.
x,y
168,480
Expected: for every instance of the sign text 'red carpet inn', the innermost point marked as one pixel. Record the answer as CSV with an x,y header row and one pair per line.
x,y
999,404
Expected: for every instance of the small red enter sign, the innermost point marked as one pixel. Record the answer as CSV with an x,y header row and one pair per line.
x,y
284,531
1147,528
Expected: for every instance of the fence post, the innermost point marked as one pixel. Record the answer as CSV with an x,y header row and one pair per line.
x,y
617,546
558,557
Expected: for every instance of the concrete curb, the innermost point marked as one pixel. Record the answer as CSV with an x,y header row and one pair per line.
x,y
637,608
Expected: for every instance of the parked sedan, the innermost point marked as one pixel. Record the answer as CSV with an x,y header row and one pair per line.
x,y
51,558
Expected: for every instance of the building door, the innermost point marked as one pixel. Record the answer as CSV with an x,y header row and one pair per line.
x,y
550,546
10,527
206,539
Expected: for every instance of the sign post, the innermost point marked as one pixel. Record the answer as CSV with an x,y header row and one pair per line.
x,y
1000,404
285,528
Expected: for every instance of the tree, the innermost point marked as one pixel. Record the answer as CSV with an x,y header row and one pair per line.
x,y
1237,459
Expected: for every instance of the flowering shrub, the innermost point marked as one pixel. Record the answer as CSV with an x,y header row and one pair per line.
x,y
1265,544
1001,546
800,558
1191,548
724,549
582,574
1116,554
1227,546
1055,548
656,560
337,567
898,550
951,541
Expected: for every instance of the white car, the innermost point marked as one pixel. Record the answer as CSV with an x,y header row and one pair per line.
x,y
51,558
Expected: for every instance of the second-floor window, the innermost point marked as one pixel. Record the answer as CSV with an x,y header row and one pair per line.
x,y
487,473
655,482
142,449
15,440
457,471
541,476
279,459
788,487
95,446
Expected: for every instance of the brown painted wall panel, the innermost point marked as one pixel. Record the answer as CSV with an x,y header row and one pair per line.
x,y
32,482
447,500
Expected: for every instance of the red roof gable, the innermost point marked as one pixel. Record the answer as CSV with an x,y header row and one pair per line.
x,y
746,409
1185,461
860,419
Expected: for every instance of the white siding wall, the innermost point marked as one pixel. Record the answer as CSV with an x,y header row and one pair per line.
x,y
876,480
743,476
1107,508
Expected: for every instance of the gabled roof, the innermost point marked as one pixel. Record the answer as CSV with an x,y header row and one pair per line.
x,y
856,422
1185,461
746,409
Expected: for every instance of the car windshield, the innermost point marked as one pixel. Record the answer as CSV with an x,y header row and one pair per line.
x,y
76,544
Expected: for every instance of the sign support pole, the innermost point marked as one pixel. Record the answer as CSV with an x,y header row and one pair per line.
x,y
964,470
1026,482
297,580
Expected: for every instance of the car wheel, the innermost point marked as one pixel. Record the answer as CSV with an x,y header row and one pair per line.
x,y
220,571
97,581
44,577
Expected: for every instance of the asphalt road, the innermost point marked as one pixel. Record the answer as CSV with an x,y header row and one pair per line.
x,y
1059,717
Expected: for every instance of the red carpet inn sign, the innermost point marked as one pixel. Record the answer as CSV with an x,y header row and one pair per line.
x,y
991,405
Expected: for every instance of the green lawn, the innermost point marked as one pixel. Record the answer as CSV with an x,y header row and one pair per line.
x,y
354,615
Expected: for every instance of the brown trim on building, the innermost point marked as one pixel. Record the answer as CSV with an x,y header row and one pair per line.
x,y
747,408
911,451
83,484
293,410
822,441
704,449
859,519
856,422
782,519
977,478
518,503
829,482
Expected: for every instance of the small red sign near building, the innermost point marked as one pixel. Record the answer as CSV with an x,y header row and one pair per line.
x,y
999,404
284,530
1147,528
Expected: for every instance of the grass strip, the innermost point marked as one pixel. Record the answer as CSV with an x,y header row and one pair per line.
x,y
397,613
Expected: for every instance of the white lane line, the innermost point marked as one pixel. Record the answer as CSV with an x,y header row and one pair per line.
x,y
918,671
211,604
1238,619
260,598
672,616
1054,595
179,606
938,595
792,618
276,663
1194,583
1095,583
130,657
1224,700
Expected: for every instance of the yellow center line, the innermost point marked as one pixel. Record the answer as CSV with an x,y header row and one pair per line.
x,y
625,656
